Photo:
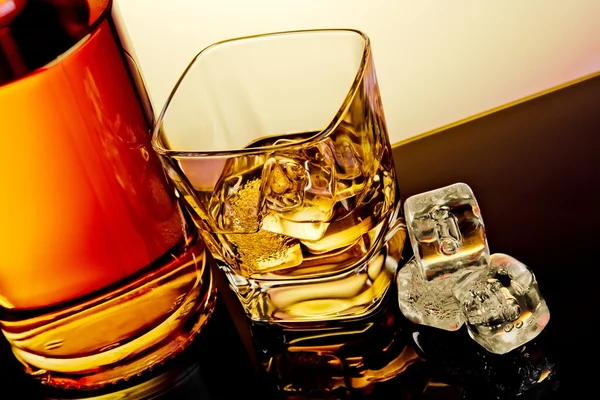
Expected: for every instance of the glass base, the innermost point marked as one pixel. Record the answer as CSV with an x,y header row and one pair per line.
x,y
353,292
340,359
120,334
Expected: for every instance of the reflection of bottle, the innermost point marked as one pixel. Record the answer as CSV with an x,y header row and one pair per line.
x,y
180,381
100,274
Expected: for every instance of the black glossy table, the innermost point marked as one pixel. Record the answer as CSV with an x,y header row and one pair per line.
x,y
534,168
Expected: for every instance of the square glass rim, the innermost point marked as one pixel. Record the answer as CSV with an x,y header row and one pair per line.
x,y
157,139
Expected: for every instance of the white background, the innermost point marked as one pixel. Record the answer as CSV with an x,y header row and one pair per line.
x,y
438,61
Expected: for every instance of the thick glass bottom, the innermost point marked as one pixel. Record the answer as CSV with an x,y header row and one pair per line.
x,y
352,292
120,333
337,359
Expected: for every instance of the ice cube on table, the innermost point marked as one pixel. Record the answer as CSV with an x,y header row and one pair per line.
x,y
502,305
446,231
428,302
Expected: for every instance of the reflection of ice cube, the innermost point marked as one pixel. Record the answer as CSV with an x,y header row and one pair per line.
x,y
446,231
349,166
502,305
345,152
528,373
428,302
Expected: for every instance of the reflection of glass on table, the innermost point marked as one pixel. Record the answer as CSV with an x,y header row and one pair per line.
x,y
365,357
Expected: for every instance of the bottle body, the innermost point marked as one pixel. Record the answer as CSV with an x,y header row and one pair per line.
x,y
99,268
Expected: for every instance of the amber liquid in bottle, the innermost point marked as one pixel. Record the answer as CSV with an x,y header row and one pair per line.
x,y
101,276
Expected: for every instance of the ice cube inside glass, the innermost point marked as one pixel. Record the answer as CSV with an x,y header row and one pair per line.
x,y
446,231
278,144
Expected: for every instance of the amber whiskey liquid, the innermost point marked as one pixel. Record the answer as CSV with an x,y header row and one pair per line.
x,y
325,257
301,232
101,275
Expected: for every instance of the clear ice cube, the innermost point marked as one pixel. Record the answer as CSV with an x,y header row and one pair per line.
x,y
502,305
446,231
284,180
320,184
340,234
428,302
299,193
311,231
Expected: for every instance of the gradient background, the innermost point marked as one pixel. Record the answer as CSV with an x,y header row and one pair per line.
x,y
437,61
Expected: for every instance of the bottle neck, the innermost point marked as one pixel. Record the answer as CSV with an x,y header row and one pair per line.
x,y
35,32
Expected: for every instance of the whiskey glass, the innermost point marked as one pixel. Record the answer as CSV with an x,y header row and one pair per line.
x,y
279,146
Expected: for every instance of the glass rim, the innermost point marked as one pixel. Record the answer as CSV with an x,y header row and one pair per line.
x,y
160,149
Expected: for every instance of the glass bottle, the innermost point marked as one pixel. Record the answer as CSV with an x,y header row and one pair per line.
x,y
102,275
